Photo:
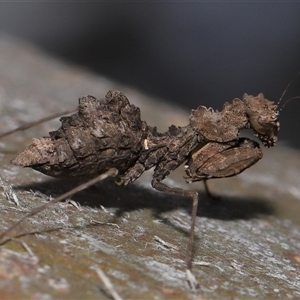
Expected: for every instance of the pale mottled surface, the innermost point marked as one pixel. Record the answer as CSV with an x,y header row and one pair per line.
x,y
247,244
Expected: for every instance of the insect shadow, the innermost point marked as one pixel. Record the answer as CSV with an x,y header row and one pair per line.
x,y
136,197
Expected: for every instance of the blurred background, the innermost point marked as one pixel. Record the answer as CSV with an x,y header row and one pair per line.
x,y
184,52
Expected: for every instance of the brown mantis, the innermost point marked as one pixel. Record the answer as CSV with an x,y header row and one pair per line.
x,y
108,138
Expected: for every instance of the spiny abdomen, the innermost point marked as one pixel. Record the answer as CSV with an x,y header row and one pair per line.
x,y
102,135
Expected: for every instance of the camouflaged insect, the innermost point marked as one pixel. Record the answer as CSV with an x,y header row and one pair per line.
x,y
109,134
